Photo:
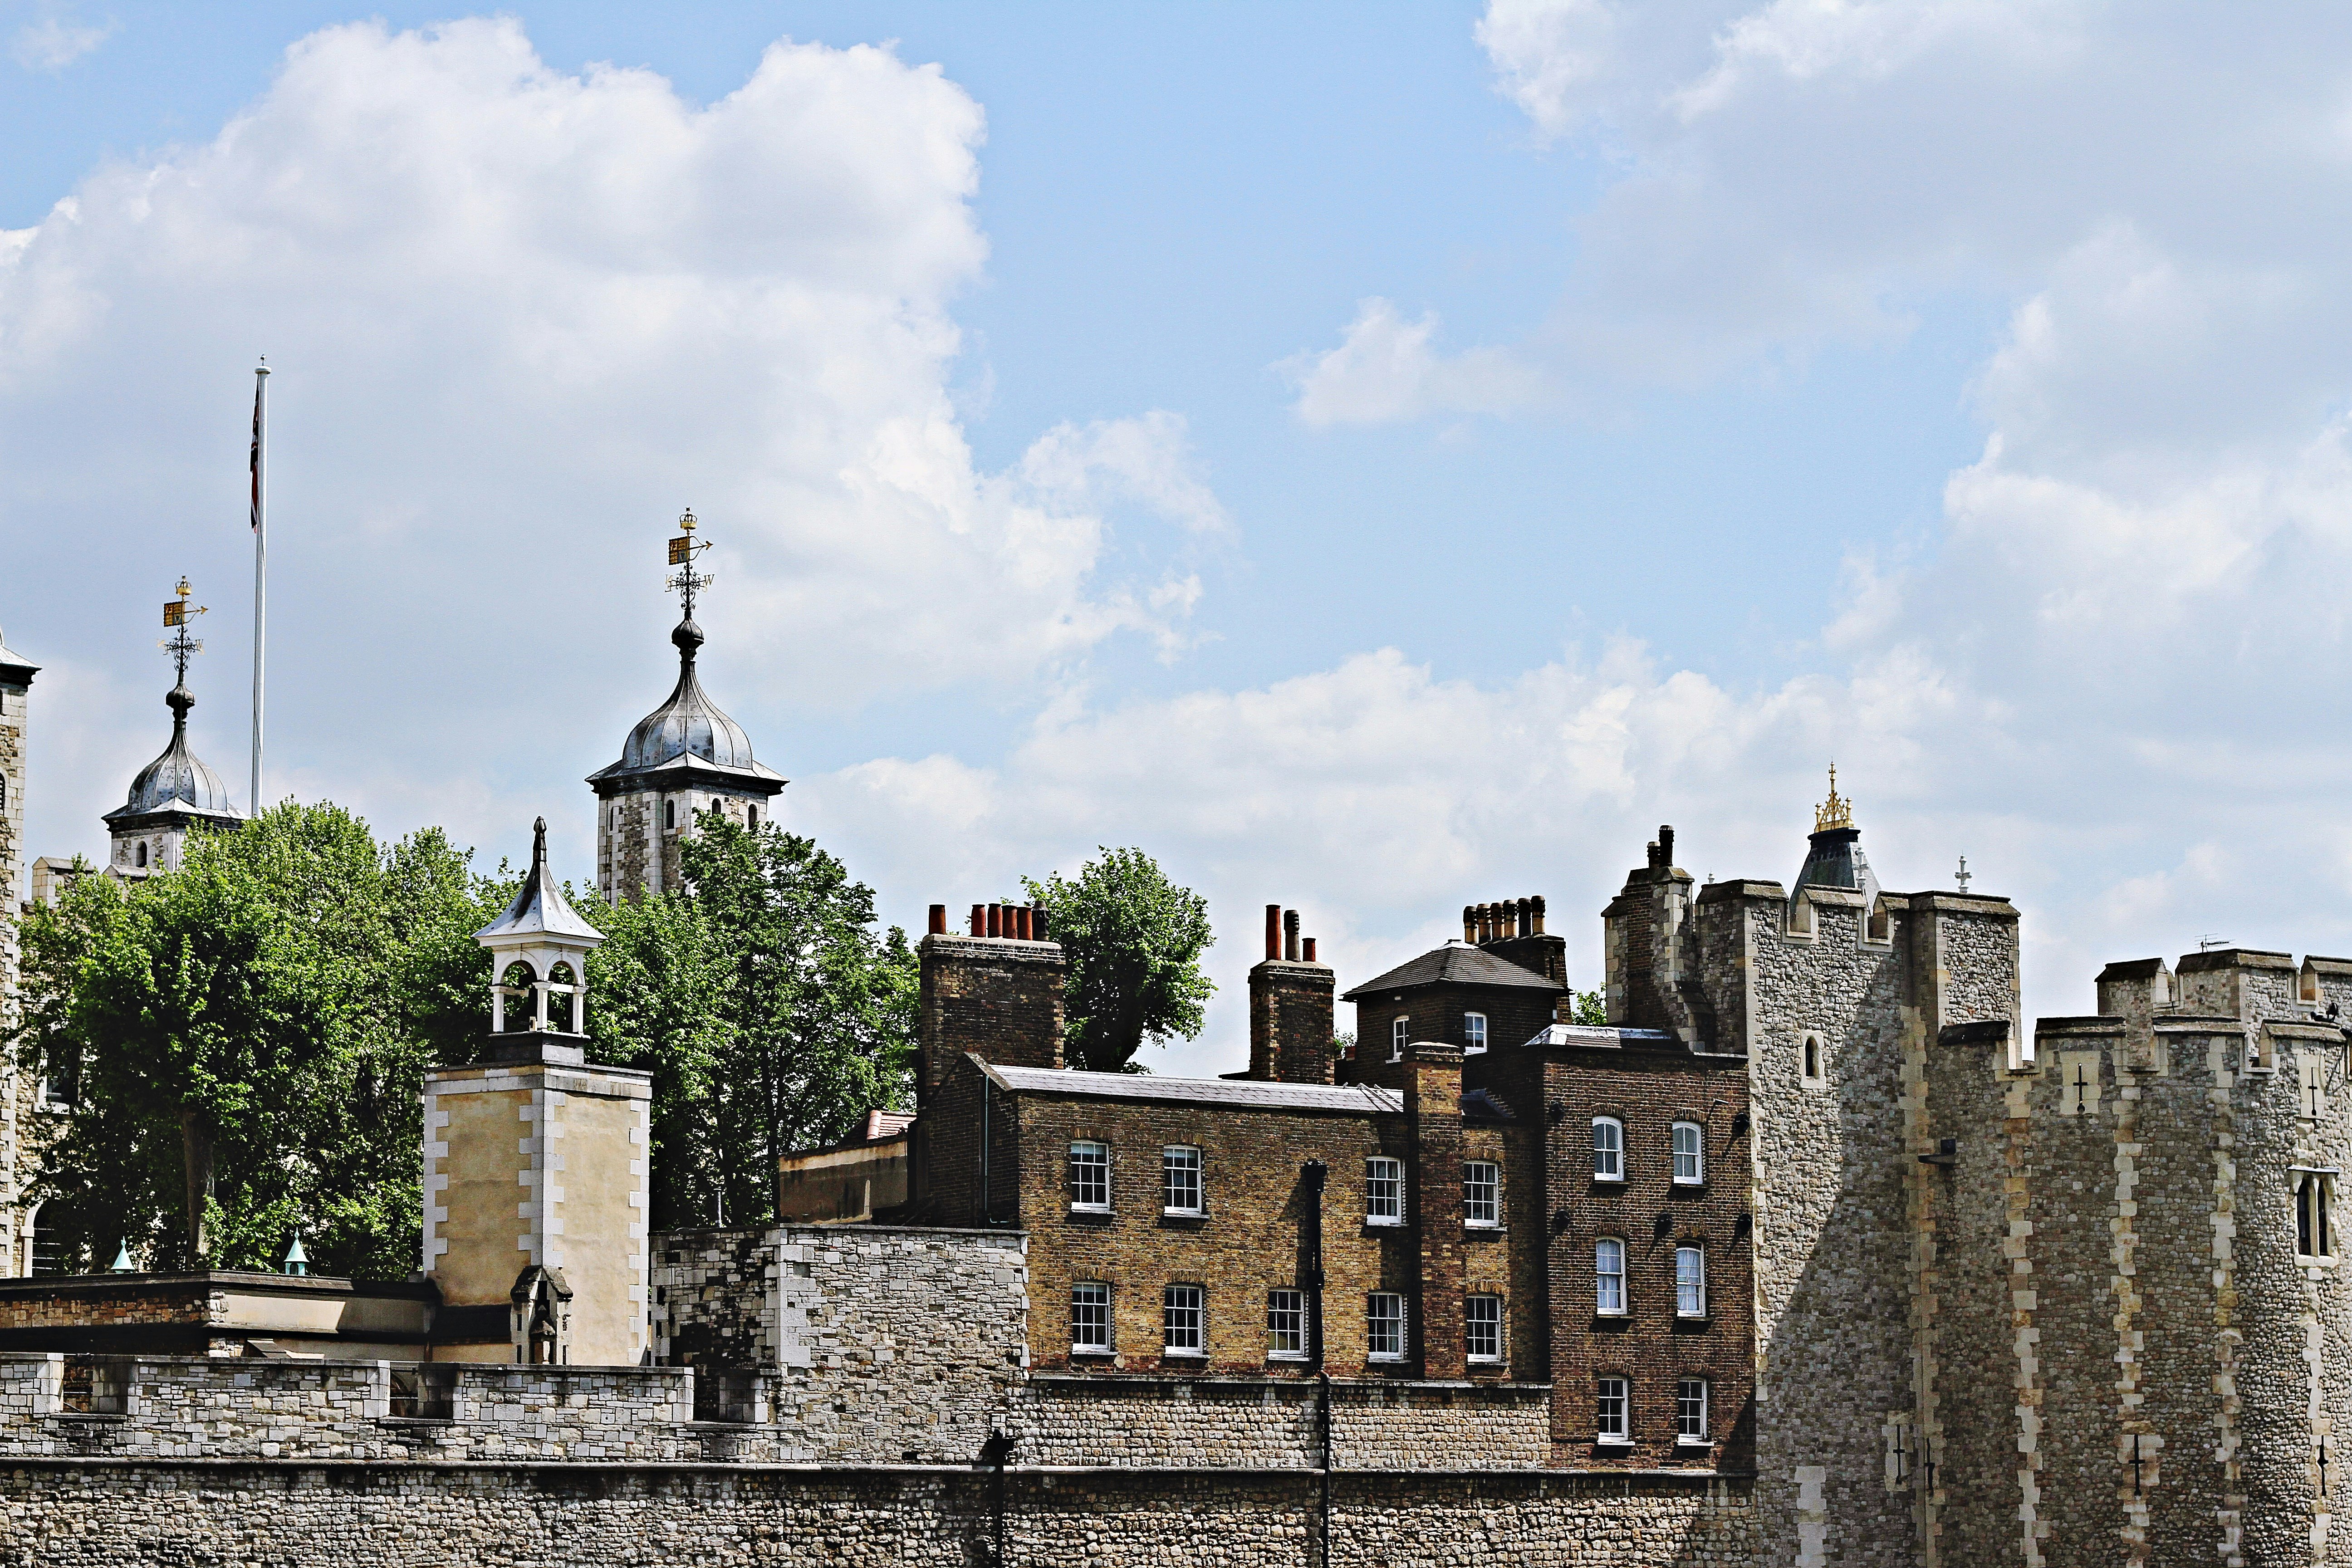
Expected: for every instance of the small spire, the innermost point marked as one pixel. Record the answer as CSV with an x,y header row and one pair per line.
x,y
122,1264
1835,812
538,845
296,1260
1960,877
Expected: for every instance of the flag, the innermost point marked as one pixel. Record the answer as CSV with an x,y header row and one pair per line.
x,y
252,459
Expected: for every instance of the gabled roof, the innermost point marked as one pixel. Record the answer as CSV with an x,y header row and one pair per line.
x,y
1455,963
540,907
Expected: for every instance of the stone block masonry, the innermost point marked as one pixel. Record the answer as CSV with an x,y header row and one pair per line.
x,y
70,1514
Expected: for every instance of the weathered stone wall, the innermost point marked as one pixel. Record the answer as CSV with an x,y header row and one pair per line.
x,y
1277,1424
714,1298
221,1409
897,1344
1832,1230
64,1514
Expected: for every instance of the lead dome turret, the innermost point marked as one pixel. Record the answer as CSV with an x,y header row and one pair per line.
x,y
686,756
177,792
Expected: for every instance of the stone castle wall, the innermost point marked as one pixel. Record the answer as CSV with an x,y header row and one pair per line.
x,y
1830,1246
70,1514
264,1408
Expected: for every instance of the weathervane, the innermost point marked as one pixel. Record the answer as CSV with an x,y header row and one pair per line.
x,y
1960,877
685,582
180,644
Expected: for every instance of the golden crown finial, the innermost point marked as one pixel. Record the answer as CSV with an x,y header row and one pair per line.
x,y
1835,812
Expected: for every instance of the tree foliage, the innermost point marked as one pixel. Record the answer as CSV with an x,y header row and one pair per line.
x,y
1134,942
772,1014
249,1034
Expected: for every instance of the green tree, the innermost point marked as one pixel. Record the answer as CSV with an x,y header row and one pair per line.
x,y
1134,940
772,1011
1589,1007
251,1032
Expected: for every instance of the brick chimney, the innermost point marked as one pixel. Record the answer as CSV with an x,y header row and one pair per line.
x,y
1290,1006
993,992
1430,1078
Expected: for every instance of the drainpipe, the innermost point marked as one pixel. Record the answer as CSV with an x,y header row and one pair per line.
x,y
987,1198
996,1453
1311,1177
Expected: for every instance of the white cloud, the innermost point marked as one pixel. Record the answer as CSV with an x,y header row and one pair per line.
x,y
520,318
53,43
1385,369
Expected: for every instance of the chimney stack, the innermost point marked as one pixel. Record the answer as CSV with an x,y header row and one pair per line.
x,y
1290,1006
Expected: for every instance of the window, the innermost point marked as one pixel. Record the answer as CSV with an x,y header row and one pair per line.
x,y
1090,1177
1482,1324
1181,1326
1384,1326
1286,1325
1608,1149
1690,1156
669,814
2314,1237
1089,1319
751,817
1609,1424
1180,1179
1690,1410
1609,1277
1473,1033
1813,1063
1482,1184
139,857
1400,1034
1690,1282
1383,1191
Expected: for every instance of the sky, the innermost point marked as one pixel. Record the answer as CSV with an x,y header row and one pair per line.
x,y
1375,459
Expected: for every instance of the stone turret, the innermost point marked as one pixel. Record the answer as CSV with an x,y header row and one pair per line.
x,y
684,757
536,1181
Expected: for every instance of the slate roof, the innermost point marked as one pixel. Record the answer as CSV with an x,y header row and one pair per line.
x,y
539,907
1455,963
1361,1099
1591,1035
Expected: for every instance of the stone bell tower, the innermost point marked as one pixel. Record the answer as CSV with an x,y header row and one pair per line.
x,y
684,757
536,1186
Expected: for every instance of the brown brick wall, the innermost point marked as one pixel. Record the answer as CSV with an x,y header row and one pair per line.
x,y
1247,1242
1651,1346
1513,1016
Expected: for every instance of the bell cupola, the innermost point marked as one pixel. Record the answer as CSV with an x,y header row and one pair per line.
x,y
176,794
684,757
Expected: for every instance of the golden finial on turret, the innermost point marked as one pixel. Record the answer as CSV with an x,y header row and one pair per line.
x,y
1836,811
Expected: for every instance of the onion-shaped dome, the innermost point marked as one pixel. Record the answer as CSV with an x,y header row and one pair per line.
x,y
178,781
688,723
687,735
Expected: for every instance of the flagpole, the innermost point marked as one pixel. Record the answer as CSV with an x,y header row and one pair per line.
x,y
260,567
